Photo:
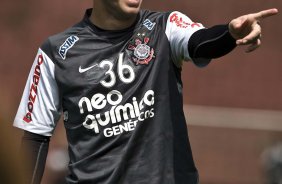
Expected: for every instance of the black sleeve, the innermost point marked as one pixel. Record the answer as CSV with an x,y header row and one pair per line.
x,y
210,43
34,149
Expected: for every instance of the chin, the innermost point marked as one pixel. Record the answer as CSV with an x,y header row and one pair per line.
x,y
132,11
123,9
129,12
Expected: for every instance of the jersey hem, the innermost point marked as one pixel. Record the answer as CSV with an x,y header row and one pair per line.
x,y
19,124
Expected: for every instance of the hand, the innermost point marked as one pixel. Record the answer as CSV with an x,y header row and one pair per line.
x,y
247,30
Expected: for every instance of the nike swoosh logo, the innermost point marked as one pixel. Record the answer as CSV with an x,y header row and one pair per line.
x,y
82,70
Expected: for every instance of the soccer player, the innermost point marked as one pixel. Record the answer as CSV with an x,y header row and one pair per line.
x,y
116,77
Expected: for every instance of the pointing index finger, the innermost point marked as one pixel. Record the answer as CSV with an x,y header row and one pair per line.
x,y
266,13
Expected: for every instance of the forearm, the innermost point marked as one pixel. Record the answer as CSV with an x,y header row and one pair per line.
x,y
34,150
211,43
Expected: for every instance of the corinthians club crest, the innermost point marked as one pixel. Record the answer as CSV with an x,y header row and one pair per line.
x,y
142,52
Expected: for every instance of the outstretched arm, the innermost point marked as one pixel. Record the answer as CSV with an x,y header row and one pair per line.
x,y
219,40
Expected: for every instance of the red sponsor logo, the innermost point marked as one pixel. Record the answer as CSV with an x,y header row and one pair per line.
x,y
178,20
33,89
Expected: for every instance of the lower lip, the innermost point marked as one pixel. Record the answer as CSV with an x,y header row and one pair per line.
x,y
135,3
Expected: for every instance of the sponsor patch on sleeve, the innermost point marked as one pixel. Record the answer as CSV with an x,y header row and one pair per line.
x,y
68,44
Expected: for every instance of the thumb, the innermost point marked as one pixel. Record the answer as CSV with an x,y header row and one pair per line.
x,y
238,27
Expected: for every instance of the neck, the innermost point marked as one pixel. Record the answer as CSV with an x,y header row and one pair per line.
x,y
107,19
